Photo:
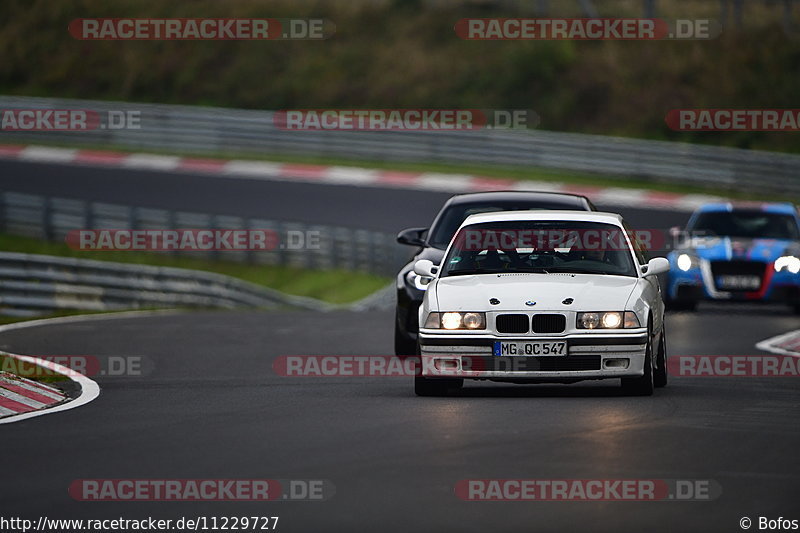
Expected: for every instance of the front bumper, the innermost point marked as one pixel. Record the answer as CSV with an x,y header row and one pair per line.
x,y
698,284
589,356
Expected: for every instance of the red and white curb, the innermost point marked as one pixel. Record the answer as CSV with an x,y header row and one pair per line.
x,y
786,344
89,389
20,395
21,399
19,402
352,176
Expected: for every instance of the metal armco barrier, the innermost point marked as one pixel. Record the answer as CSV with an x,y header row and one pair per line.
x,y
314,246
32,284
238,131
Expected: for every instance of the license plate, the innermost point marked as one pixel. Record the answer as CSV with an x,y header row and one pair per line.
x,y
530,348
739,282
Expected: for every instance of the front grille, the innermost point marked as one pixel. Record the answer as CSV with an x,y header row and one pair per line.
x,y
549,323
531,364
512,324
738,268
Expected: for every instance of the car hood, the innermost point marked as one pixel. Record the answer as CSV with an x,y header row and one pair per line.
x,y
589,292
734,248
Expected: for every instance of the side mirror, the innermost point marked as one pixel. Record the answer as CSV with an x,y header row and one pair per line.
x,y
425,268
412,236
657,265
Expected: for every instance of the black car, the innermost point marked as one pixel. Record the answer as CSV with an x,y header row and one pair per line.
x,y
433,241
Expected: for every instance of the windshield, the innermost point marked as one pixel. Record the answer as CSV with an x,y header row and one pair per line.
x,y
446,225
540,247
751,224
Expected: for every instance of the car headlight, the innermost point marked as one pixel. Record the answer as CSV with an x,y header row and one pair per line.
x,y
417,281
788,262
456,320
687,262
608,320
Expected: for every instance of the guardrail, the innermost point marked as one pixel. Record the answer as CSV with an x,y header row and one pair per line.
x,y
332,247
33,284
238,131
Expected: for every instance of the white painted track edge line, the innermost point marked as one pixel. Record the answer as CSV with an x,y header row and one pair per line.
x,y
90,390
85,318
767,344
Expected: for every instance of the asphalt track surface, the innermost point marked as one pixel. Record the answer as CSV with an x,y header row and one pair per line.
x,y
379,209
212,407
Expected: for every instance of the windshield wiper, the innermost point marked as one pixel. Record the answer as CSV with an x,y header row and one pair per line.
x,y
486,271
587,271
472,271
533,270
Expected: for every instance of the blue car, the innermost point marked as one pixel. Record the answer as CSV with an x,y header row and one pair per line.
x,y
741,252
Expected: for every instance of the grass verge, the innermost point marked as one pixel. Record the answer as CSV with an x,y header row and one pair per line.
x,y
29,370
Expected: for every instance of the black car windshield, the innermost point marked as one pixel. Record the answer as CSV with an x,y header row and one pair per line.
x,y
545,246
446,225
751,224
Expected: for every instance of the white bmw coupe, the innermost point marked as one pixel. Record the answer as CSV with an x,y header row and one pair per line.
x,y
542,296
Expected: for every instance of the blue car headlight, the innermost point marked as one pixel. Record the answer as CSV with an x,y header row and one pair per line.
x,y
687,262
788,262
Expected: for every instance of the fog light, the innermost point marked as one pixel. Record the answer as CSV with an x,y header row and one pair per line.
x,y
445,364
617,363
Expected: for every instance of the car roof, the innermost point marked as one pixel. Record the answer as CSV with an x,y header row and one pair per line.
x,y
532,196
770,207
506,216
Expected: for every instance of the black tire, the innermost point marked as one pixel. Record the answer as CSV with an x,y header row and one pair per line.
x,y
435,387
402,344
681,305
644,385
660,372
675,305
